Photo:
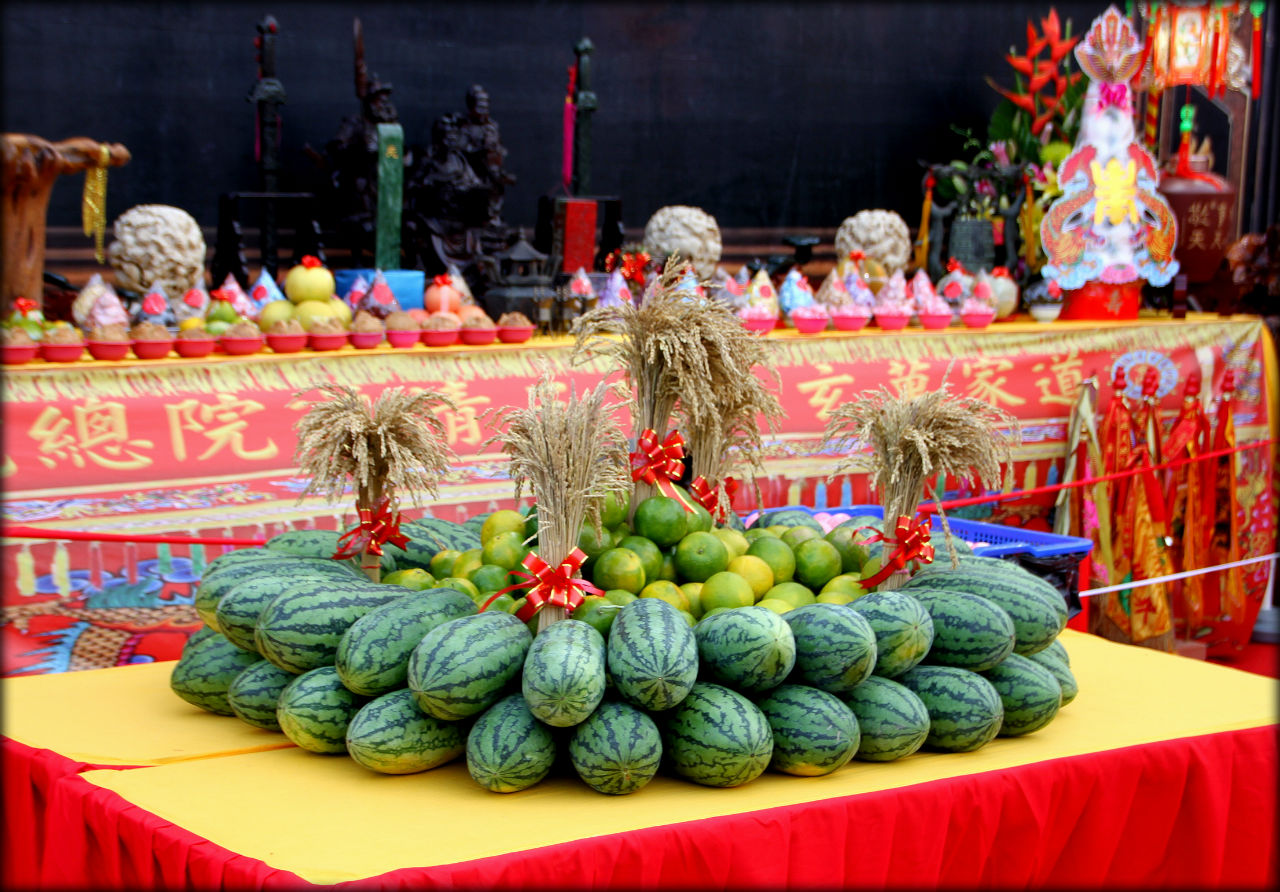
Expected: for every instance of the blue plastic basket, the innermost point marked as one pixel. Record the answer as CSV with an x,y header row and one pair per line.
x,y
1002,541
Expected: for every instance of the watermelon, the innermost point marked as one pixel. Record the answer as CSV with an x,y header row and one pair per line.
x,y
199,635
442,534
563,678
1037,609
814,732
1056,649
508,750
255,694
1061,672
306,543
215,583
717,737
373,654
415,553
964,708
460,668
835,647
617,749
1029,693
205,671
750,649
652,654
892,720
301,628
315,710
969,632
390,735
238,611
787,517
903,629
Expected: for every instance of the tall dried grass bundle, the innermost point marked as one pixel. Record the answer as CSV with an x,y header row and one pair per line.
x,y
395,446
570,455
912,440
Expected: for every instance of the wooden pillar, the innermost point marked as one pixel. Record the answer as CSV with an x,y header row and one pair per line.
x,y
31,166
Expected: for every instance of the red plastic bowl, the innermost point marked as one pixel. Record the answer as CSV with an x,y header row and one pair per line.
x,y
328,341
849,321
152,349
194,348
809,324
439,337
108,349
978,320
242,346
892,321
283,343
478,336
764,326
934,321
365,340
515,334
16,354
402,338
61,352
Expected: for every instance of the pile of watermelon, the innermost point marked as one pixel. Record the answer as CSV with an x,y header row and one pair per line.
x,y
405,679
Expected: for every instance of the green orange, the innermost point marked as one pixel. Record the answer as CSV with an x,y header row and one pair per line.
x,y
849,583
777,554
755,533
615,508
506,549
591,542
490,577
665,590
776,605
836,597
662,520
700,555
411,577
853,554
619,568
503,603
650,555
735,542
598,612
726,590
693,591
699,519
619,596
502,521
795,535
469,560
442,563
755,571
793,593
817,562
466,586
668,570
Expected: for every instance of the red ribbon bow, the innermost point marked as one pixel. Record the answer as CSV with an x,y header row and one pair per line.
x,y
660,465
377,525
912,539
444,280
24,305
705,495
1113,94
857,256
554,586
955,266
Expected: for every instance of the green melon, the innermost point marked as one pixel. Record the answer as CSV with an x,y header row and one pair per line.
x,y
306,543
1056,649
750,649
835,647
1066,680
652,654
315,710
788,517
617,749
563,678
903,628
460,668
238,612
216,582
301,628
892,720
508,750
969,632
204,673
965,710
200,634
390,735
254,695
442,534
1029,693
717,737
814,733
373,654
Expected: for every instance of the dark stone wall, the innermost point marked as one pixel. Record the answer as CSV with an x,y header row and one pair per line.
x,y
765,114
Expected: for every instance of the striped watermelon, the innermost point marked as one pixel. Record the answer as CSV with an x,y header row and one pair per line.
x,y
301,628
617,749
787,517
969,632
306,543
652,654
238,611
563,678
197,636
835,647
750,649
508,750
1030,694
1038,611
461,667
217,581
893,721
904,630
205,671
390,735
255,694
315,710
717,737
373,654
442,534
1056,649
1061,672
965,711
814,732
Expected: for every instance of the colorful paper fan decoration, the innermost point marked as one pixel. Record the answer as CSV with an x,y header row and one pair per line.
x,y
923,296
892,298
379,300
795,291
232,292
264,291
1110,224
832,292
615,292
97,305
580,286
761,293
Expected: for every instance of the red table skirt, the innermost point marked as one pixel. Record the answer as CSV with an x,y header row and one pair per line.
x,y
1196,812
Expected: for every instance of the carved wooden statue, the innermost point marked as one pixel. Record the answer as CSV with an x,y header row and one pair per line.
x,y
31,166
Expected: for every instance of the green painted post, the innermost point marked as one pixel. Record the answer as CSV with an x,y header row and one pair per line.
x,y
390,196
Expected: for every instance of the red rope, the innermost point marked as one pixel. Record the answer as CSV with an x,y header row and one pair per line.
x,y
8,531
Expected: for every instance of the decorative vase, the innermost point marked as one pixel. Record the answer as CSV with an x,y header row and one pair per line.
x,y
1045,312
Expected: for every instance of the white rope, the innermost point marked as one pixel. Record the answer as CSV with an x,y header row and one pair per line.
x,y
1139,583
